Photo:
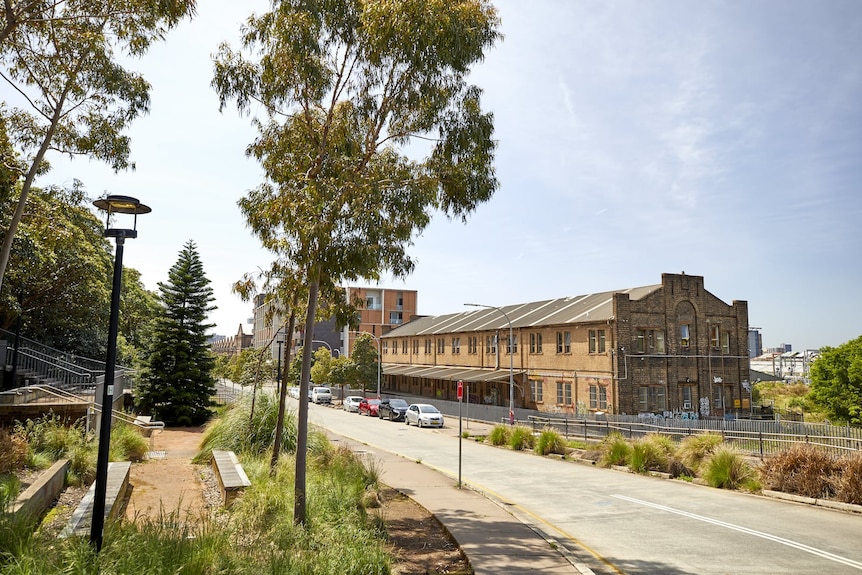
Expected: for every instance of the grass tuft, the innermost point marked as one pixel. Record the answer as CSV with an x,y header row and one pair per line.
x,y
727,469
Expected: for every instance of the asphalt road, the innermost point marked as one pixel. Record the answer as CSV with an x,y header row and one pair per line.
x,y
631,524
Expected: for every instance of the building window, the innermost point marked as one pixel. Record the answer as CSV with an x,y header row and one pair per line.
x,y
512,346
650,341
686,394
399,300
597,341
415,347
651,399
536,343
490,344
536,391
714,336
396,318
456,345
725,343
472,344
564,393
564,342
404,346
598,397
385,347
441,345
684,335
428,345
394,348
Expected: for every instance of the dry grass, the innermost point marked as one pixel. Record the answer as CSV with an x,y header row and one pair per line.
x,y
802,470
848,484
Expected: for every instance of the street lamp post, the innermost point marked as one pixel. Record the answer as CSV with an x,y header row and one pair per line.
x,y
511,359
112,205
327,346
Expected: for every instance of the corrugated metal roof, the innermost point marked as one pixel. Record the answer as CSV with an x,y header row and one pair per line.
x,y
568,310
449,373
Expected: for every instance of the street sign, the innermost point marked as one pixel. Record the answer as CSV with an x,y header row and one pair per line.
x,y
460,390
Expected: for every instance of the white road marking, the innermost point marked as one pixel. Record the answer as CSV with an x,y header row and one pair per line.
x,y
775,538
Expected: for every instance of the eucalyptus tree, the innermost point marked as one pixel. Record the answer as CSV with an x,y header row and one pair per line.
x,y
344,88
59,56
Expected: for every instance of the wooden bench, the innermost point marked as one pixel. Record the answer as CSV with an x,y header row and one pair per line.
x,y
115,498
230,474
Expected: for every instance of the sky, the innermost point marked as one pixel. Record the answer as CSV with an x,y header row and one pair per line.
x,y
722,139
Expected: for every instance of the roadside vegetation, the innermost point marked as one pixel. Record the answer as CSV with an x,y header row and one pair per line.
x,y
801,470
344,533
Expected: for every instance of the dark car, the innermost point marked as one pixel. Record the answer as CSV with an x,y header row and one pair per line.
x,y
392,409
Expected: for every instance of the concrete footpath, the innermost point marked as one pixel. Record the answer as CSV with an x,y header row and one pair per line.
x,y
493,539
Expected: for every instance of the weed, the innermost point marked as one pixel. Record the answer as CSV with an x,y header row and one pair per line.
x,y
727,469
615,450
521,438
549,441
694,449
803,470
499,435
848,484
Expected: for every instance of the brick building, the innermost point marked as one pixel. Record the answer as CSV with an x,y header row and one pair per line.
x,y
234,344
666,348
382,310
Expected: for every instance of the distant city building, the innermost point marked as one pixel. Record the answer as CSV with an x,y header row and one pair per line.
x,y
232,345
783,348
755,342
383,310
789,366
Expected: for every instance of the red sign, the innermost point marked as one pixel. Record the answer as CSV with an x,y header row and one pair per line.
x,y
460,389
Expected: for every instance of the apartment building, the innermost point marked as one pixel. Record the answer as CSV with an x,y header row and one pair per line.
x,y
669,348
381,311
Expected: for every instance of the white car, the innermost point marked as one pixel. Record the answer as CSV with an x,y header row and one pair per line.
x,y
293,392
423,415
351,403
320,394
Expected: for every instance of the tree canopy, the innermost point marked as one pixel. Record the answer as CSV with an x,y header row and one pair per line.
x,y
836,382
59,56
177,383
345,87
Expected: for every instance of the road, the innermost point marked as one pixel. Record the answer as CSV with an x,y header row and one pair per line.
x,y
632,524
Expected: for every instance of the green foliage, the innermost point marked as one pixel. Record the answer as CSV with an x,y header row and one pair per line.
x,y
521,437
836,382
62,57
652,452
499,435
694,449
615,450
549,441
177,384
322,368
127,443
236,430
726,468
365,358
10,487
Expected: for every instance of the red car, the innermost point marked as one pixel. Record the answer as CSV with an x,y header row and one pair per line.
x,y
369,406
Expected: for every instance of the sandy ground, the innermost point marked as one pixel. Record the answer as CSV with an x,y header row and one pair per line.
x,y
169,482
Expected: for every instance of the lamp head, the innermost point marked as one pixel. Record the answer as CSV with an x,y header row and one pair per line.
x,y
121,205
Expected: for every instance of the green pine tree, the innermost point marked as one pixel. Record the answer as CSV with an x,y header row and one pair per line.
x,y
177,383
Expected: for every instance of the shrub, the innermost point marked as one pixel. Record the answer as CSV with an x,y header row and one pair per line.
x,y
521,438
52,436
803,470
651,453
615,450
727,469
694,449
499,435
14,452
127,443
848,484
549,441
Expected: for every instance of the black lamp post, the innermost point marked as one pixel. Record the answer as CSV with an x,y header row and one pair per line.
x,y
112,205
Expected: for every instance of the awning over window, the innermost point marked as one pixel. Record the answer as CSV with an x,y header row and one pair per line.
x,y
449,373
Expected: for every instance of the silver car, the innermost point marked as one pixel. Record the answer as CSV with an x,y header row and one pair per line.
x,y
423,415
351,403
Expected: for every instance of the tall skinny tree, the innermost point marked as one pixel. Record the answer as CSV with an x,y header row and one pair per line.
x,y
346,86
60,57
177,384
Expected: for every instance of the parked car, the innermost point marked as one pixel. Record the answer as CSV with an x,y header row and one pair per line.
x,y
293,392
424,415
369,406
392,409
351,403
321,394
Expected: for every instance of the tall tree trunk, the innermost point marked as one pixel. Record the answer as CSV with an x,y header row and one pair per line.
x,y
282,392
302,419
